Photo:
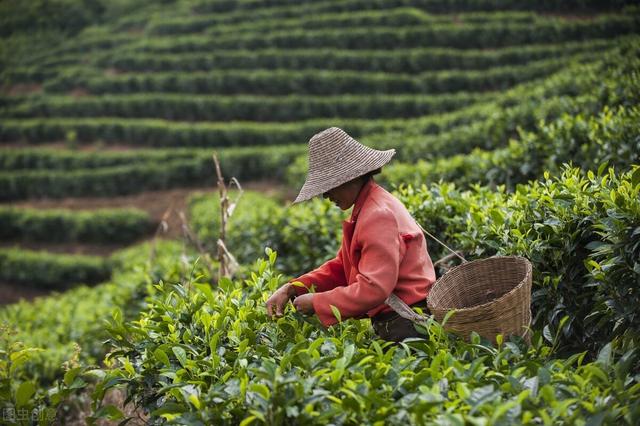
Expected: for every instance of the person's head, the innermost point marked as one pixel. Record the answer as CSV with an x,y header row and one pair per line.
x,y
339,166
345,195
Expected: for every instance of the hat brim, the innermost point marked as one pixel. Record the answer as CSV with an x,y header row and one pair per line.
x,y
322,181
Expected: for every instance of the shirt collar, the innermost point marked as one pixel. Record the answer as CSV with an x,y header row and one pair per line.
x,y
362,196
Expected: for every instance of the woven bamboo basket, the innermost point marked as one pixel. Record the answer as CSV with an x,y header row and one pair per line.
x,y
491,296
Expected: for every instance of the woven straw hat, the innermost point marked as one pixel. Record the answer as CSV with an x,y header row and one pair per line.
x,y
336,158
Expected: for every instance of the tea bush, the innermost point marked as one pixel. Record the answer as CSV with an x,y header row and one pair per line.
x,y
306,82
507,117
617,85
57,322
558,224
521,106
54,271
190,352
401,16
252,108
578,231
434,6
64,15
463,34
202,356
454,35
21,401
305,234
415,60
40,173
107,226
44,344
612,136
570,81
29,159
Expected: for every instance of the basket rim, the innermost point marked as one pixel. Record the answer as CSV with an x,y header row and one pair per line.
x,y
528,272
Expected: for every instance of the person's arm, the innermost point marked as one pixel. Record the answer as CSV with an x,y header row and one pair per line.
x,y
378,271
326,277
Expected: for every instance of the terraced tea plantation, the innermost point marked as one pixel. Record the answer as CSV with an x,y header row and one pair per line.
x,y
517,131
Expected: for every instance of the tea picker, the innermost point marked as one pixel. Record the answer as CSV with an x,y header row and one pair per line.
x,y
383,268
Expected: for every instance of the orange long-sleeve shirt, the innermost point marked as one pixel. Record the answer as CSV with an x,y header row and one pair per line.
x,y
383,251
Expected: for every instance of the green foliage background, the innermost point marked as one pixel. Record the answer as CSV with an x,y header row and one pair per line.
x,y
516,130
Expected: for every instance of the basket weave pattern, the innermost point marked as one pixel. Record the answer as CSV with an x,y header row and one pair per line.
x,y
491,296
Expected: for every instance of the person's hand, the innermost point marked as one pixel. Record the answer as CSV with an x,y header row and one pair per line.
x,y
279,299
304,304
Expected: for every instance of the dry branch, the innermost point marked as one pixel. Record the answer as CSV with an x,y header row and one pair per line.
x,y
228,264
162,228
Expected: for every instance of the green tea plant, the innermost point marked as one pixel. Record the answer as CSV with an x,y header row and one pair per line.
x,y
53,271
460,35
241,107
450,151
574,229
618,86
434,6
45,173
306,82
110,226
415,60
612,136
482,222
214,23
21,401
305,234
558,224
203,356
58,322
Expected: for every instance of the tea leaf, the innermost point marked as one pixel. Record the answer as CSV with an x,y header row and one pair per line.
x,y
24,393
605,355
110,412
180,354
336,313
162,357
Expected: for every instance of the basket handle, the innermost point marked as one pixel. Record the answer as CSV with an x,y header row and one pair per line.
x,y
453,252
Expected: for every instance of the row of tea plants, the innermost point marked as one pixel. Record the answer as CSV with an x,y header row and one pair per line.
x,y
200,356
43,341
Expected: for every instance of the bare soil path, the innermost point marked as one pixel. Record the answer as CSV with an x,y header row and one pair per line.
x,y
12,293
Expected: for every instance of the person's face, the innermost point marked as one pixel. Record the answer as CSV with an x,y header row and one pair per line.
x,y
344,196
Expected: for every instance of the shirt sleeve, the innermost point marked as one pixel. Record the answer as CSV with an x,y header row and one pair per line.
x,y
378,271
327,276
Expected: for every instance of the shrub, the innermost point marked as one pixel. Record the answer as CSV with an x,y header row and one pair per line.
x,y
433,6
307,82
250,108
108,226
203,355
574,229
52,271
612,136
56,323
305,234
416,60
114,173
